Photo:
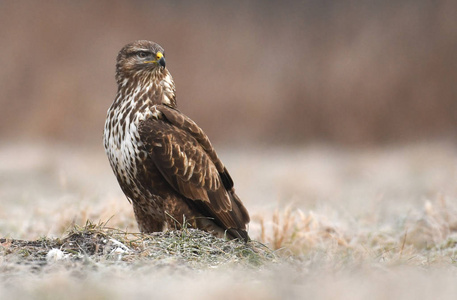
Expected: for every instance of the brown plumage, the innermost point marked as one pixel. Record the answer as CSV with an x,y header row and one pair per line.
x,y
164,163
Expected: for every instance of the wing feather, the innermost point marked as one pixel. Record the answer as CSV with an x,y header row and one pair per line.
x,y
185,157
182,121
184,163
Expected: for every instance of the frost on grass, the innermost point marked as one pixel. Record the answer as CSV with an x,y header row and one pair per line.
x,y
98,245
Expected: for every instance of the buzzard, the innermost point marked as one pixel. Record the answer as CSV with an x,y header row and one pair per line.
x,y
164,163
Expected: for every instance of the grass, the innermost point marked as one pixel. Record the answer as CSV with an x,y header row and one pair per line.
x,y
98,261
428,239
369,248
432,229
97,243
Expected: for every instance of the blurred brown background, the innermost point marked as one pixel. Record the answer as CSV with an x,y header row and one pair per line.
x,y
352,72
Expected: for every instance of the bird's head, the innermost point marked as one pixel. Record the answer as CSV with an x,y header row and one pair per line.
x,y
139,57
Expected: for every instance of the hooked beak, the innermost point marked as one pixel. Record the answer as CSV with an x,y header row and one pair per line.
x,y
161,61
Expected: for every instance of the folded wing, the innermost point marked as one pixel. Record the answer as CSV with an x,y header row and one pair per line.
x,y
185,157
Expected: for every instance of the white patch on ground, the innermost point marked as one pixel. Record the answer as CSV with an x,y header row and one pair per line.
x,y
118,249
55,255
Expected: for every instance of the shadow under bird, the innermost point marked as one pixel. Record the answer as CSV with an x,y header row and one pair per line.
x,y
163,161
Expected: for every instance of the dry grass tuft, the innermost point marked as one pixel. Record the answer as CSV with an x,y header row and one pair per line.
x,y
299,232
435,225
423,238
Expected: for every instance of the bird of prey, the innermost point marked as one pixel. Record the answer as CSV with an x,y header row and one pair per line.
x,y
163,161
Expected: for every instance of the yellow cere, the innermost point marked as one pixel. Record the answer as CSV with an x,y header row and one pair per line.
x,y
159,55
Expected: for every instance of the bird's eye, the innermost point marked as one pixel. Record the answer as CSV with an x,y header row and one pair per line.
x,y
142,54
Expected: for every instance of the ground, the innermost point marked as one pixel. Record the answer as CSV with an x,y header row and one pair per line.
x,y
328,223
